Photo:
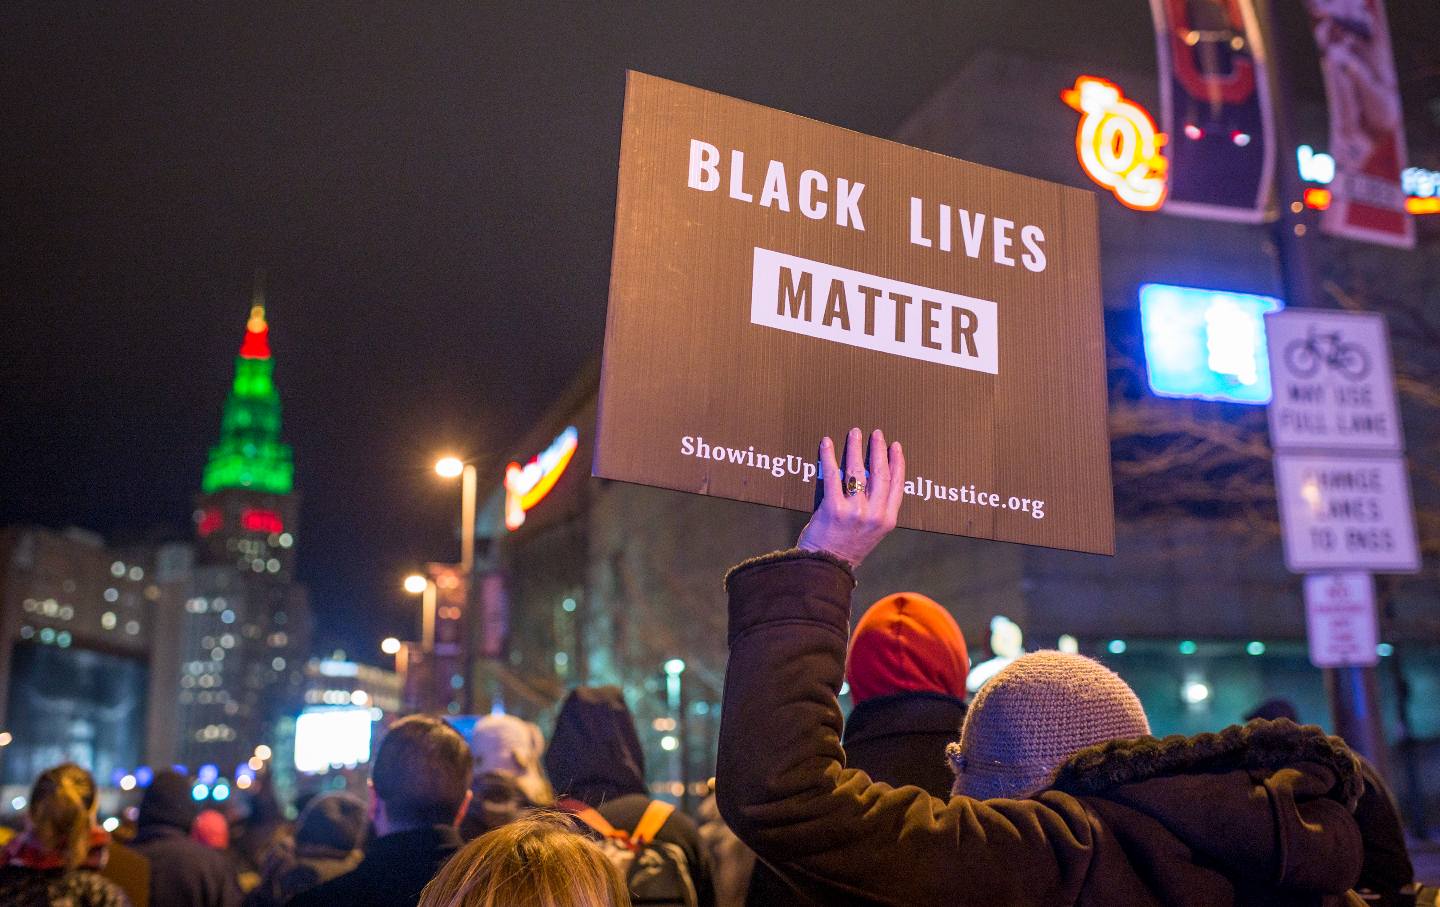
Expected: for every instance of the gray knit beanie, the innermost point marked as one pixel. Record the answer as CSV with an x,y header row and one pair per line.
x,y
1036,713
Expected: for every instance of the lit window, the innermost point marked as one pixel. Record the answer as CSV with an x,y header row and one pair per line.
x,y
227,617
277,663
112,595
132,627
107,620
62,639
137,574
117,569
27,632
217,654
66,612
273,565
286,540
47,636
228,641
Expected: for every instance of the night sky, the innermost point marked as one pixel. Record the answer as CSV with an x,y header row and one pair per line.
x,y
431,191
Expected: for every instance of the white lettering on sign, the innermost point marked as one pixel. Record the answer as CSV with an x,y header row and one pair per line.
x,y
1340,619
890,316
814,194
1346,513
1331,382
976,229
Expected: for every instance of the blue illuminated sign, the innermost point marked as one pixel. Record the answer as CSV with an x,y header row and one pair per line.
x,y
1206,343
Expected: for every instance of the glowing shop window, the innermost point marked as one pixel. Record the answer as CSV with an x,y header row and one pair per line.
x,y
1206,343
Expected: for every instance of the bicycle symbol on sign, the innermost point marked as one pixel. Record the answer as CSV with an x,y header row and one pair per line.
x,y
1305,356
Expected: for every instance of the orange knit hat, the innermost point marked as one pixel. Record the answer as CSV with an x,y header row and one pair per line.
x,y
906,642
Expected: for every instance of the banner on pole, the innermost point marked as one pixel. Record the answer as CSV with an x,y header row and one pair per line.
x,y
1367,123
1215,108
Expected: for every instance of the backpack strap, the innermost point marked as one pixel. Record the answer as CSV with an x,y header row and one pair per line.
x,y
650,822
591,817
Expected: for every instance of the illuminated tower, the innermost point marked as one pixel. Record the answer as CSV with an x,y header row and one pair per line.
x,y
247,508
246,624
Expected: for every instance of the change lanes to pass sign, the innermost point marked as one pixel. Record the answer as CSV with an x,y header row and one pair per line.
x,y
1346,513
1331,381
776,279
1340,619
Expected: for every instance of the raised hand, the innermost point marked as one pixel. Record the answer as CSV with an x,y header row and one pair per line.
x,y
857,510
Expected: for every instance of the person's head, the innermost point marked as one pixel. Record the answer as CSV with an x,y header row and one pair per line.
x,y
536,861
167,802
212,829
906,643
509,746
421,775
62,811
1033,716
1272,709
595,753
332,821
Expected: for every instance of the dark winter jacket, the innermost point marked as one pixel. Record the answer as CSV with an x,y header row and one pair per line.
x,y
184,872
1254,815
896,740
595,757
396,868
900,739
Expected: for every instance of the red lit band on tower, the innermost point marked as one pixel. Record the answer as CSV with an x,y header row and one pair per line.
x,y
256,344
259,519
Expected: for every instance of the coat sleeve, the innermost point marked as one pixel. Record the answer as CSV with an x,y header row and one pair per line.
x,y
782,785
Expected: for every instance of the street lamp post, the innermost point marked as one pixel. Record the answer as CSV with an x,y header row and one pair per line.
x,y
424,587
449,468
675,694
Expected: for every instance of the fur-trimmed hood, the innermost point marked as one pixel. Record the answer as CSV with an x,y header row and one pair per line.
x,y
1260,745
1268,801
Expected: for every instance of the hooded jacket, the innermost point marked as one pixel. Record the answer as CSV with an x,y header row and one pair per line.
x,y
1255,815
183,872
595,757
327,841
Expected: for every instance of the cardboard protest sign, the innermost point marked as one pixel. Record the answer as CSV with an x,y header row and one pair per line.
x,y
776,279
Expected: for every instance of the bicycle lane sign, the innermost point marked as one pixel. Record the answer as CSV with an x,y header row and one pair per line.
x,y
1331,382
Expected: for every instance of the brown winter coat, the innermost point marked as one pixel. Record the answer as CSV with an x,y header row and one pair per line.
x,y
1256,815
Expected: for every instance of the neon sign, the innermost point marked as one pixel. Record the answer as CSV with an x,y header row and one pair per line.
x,y
1118,144
526,486
1422,187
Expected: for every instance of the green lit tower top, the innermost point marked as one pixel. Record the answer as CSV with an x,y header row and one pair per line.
x,y
250,454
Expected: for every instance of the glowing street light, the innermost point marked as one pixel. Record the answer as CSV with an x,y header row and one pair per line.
x,y
415,583
263,752
390,645
449,467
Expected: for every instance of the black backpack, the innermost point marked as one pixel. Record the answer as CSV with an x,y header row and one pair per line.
x,y
656,872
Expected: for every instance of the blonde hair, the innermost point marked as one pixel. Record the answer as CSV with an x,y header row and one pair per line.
x,y
62,809
537,861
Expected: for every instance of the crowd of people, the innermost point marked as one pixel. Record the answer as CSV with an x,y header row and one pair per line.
x,y
1047,787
